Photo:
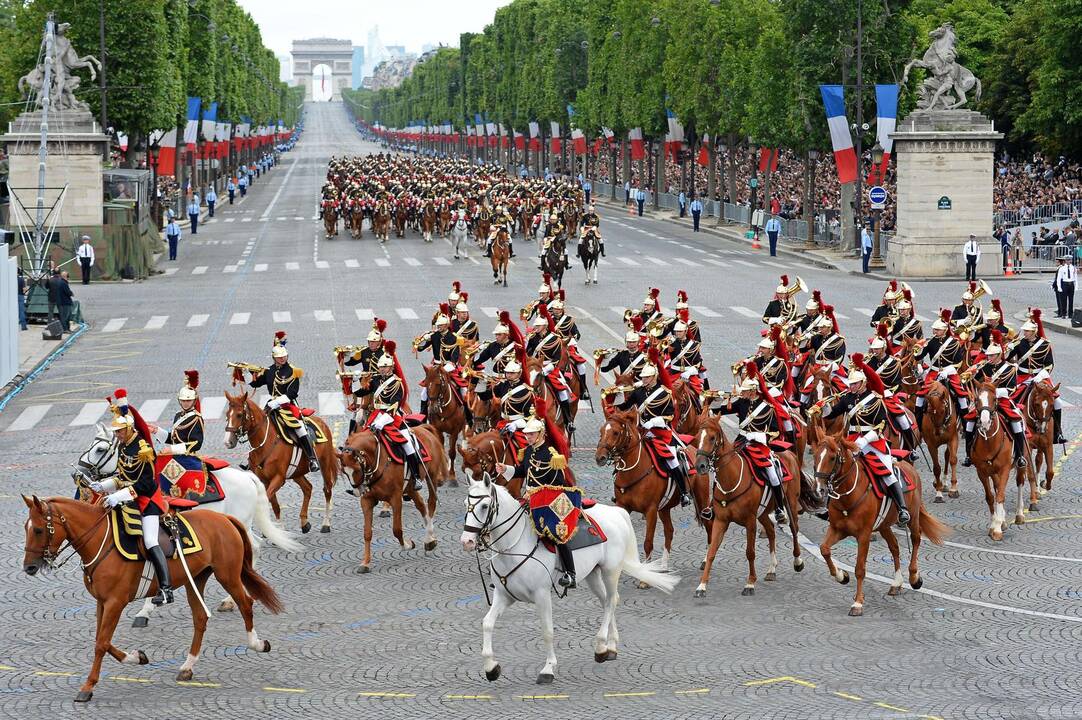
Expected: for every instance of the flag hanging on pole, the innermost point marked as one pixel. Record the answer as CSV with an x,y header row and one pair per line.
x,y
535,140
840,139
638,148
554,130
886,111
704,151
167,150
768,157
191,128
674,139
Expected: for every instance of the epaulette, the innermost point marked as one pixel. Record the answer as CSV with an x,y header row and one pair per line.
x,y
297,373
558,461
145,451
521,454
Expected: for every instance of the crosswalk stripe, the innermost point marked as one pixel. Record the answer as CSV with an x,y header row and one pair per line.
x,y
685,261
490,311
152,409
213,406
298,218
229,269
230,220
199,270
365,314
198,320
171,271
352,263
324,315
114,324
247,219
240,318
1075,389
603,261
90,413
743,311
627,261
260,267
442,261
293,266
617,309
1066,404
771,263
322,264
156,322
281,316
840,316
412,262
331,403
654,260
383,262
704,311
866,312
29,417
406,313
716,262
745,263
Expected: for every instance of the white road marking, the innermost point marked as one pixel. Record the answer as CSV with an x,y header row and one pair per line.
x,y
198,320
745,263
840,316
771,263
654,260
324,315
282,316
490,311
406,313
1075,389
352,263
743,311
617,310
322,264
240,318
90,414
171,271
412,262
715,261
705,311
213,406
331,403
583,313
114,324
28,418
627,261
685,261
383,262
293,266
442,261
866,312
152,409
156,322
199,270
260,267
365,314
229,269
246,219
230,219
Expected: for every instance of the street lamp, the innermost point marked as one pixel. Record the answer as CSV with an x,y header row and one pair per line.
x,y
152,151
809,210
876,260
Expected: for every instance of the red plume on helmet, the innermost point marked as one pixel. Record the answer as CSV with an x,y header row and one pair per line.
x,y
681,296
513,331
547,280
1035,313
563,295
683,314
785,280
894,286
998,309
636,323
817,297
192,378
908,295
945,315
457,286
828,310
543,311
390,347
125,408
997,338
884,332
874,382
463,297
445,309
280,338
379,325
972,286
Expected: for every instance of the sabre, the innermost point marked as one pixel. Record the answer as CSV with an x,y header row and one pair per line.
x,y
187,572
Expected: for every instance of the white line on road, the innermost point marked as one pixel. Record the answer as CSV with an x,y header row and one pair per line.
x,y
198,320
171,271
240,318
705,311
490,311
628,261
685,261
156,322
352,263
743,311
331,403
383,262
200,270
771,263
365,314
745,263
324,316
152,409
293,266
28,418
90,413
412,262
212,405
114,324
282,316
442,261
322,264
866,312
260,267
654,260
229,269
406,313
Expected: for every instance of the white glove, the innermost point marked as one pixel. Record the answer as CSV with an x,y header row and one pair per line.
x,y
756,437
276,402
654,423
948,371
120,496
689,373
448,367
547,368
1002,393
103,487
177,449
159,434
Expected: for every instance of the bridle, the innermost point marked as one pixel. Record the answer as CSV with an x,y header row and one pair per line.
x,y
367,476
621,446
240,431
93,471
1039,423
827,478
49,556
941,392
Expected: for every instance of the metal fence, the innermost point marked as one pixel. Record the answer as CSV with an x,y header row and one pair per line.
x,y
9,316
1040,215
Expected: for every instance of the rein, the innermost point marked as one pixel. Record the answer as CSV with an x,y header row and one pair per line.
x,y
828,481
49,557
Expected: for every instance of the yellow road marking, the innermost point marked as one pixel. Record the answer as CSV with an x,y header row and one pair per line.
x,y
890,707
543,697
46,673
6,667
386,694
847,696
270,688
786,678
630,694
1050,519
121,678
196,683
468,697
929,717
697,691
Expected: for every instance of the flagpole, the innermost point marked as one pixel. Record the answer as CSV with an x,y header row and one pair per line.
x,y
858,199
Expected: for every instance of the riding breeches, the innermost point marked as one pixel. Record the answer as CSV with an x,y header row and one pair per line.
x,y
150,531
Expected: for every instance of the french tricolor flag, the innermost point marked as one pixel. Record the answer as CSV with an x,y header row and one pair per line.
x,y
638,148
886,103
191,128
535,139
554,137
844,155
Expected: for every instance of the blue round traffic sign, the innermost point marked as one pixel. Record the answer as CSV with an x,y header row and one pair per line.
x,y
877,195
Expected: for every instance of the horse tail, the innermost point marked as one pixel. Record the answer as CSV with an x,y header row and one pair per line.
x,y
931,527
253,582
648,572
265,522
977,94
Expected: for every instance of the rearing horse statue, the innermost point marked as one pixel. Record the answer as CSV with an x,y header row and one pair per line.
x,y
947,80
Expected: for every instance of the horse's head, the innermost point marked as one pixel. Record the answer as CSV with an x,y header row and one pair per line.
x,y
99,460
481,510
832,458
239,417
937,400
618,433
433,377
986,404
356,457
710,441
1040,405
46,532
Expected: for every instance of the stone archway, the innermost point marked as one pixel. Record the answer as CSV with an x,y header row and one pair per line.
x,y
322,83
336,55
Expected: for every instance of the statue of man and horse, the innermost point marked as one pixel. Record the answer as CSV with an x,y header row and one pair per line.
x,y
947,82
64,82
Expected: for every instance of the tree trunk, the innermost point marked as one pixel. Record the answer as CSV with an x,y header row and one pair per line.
x,y
848,190
732,168
711,173
809,197
659,174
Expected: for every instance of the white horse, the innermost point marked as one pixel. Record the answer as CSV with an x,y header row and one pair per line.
x,y
459,233
245,499
496,521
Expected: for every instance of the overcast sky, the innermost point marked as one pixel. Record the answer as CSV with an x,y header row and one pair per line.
x,y
412,23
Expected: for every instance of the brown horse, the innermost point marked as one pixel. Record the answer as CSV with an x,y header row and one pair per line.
x,y
736,496
365,460
638,486
481,228
940,428
428,221
992,456
485,414
1038,411
113,581
687,422
535,377
445,221
401,214
852,511
381,221
445,412
501,257
271,457
480,454
330,221
356,223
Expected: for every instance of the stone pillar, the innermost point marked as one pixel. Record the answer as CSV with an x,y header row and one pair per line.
x,y
945,174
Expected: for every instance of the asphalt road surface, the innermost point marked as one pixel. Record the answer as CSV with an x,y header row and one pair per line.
x,y
995,632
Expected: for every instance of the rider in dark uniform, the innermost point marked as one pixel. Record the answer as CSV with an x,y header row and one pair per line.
x,y
283,382
627,360
186,435
388,393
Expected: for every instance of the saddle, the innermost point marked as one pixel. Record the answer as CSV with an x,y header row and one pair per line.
x,y
128,534
758,457
188,480
878,472
586,534
395,450
286,421
657,451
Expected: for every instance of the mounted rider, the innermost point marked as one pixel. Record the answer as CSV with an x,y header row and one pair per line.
x,y
887,310
503,349
940,357
367,357
568,331
446,351
501,220
781,310
683,314
186,435
907,326
544,343
389,393
1002,375
881,358
684,357
590,224
631,357
553,231
544,297
283,382
1033,353
137,481
462,325
516,400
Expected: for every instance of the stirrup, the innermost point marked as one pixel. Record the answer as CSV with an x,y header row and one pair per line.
x,y
567,580
967,461
903,517
1020,461
685,500
163,597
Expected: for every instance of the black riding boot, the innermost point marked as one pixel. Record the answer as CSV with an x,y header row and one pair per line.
x,y
488,252
967,461
602,249
567,263
1020,450
677,475
161,570
584,389
511,248
424,408
780,515
1057,427
310,449
413,467
567,559
565,408
919,413
898,496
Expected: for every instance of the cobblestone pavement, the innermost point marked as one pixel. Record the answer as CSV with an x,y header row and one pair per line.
x,y
995,633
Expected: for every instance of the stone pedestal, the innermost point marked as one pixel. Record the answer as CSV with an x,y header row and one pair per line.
x,y
76,146
945,172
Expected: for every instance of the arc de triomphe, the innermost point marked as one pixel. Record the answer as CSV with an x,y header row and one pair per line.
x,y
336,54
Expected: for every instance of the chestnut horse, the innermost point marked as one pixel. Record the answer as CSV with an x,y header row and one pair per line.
x,y
356,223
638,486
480,454
535,377
271,457
445,412
501,257
381,221
993,459
401,214
444,221
940,428
113,581
687,423
330,221
364,459
428,221
1038,412
485,414
852,512
736,496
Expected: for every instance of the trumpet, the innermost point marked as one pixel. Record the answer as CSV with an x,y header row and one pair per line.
x,y
525,312
347,349
616,390
657,325
356,374
794,289
968,332
421,339
628,314
254,369
604,352
970,371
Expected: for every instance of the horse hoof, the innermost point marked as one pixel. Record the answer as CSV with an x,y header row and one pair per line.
x,y
610,655
325,529
306,528
143,659
226,606
409,545
918,583
139,622
385,513
700,593
493,674
184,676
1019,520
545,678
600,657
845,577
643,585
997,535
364,570
430,546
84,696
939,498
266,646
453,482
798,565
893,591
856,611
954,494
1033,507
747,591
771,577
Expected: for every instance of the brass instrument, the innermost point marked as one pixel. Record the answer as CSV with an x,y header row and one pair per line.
x,y
526,312
656,326
970,371
421,339
356,374
347,349
792,290
982,289
968,332
604,352
254,369
738,367
616,390
918,347
628,314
